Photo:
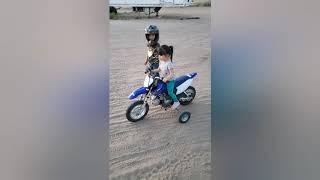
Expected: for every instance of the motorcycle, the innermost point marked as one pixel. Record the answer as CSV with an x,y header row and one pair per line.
x,y
155,90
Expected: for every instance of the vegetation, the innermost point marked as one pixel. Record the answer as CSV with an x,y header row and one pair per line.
x,y
202,4
114,15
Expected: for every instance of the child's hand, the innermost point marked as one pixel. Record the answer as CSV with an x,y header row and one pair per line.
x,y
164,80
147,70
145,63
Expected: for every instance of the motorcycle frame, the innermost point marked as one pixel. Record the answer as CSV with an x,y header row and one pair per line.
x,y
147,95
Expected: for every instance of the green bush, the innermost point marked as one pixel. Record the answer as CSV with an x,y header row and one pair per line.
x,y
207,4
113,15
202,4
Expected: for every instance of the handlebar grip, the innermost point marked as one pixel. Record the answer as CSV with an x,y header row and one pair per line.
x,y
147,70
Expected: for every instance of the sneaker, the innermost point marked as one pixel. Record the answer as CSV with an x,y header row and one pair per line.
x,y
175,105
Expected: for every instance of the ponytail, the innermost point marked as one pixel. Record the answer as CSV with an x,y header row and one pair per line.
x,y
171,52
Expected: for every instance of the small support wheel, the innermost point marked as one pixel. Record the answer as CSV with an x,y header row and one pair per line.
x,y
184,117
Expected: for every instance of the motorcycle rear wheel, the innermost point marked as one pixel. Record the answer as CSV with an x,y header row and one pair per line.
x,y
191,91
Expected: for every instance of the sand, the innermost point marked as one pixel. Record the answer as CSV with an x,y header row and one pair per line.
x,y
159,147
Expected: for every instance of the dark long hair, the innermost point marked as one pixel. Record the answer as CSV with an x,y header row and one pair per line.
x,y
166,50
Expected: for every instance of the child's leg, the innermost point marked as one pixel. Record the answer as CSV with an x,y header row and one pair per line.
x,y
170,87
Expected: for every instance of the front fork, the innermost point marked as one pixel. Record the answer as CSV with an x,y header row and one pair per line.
x,y
146,97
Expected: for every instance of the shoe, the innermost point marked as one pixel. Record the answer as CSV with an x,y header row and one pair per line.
x,y
175,105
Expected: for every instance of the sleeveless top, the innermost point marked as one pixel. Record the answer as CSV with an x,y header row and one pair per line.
x,y
153,55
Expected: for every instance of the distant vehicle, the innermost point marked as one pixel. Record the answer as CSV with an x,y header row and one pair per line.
x,y
147,6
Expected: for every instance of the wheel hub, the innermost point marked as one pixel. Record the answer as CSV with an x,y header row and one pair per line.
x,y
138,111
184,117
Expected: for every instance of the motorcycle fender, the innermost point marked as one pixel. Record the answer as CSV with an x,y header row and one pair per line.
x,y
184,86
137,92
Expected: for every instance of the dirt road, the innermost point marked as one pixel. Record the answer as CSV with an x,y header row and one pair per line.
x,y
159,147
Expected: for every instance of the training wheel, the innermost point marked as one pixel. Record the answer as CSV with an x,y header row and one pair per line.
x,y
184,117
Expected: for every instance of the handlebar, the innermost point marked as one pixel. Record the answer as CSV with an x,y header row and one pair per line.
x,y
152,74
159,78
147,70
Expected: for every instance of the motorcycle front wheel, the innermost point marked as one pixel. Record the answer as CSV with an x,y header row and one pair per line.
x,y
137,111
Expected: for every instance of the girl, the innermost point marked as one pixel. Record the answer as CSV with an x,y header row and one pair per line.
x,y
166,72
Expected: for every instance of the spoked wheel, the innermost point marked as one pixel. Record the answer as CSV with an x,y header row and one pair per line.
x,y
184,117
187,96
137,111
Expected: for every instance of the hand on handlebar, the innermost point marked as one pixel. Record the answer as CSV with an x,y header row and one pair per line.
x,y
164,79
147,70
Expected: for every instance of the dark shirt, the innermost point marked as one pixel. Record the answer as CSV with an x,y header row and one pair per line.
x,y
153,60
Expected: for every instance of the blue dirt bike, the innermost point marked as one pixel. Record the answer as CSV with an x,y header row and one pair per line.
x,y
155,90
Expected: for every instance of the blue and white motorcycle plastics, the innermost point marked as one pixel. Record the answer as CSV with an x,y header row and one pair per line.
x,y
181,84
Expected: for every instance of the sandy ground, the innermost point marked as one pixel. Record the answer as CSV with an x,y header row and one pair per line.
x,y
159,147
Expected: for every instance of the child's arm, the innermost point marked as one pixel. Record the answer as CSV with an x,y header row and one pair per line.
x,y
146,61
156,70
170,76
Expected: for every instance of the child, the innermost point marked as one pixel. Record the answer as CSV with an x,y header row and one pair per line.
x,y
166,72
152,36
